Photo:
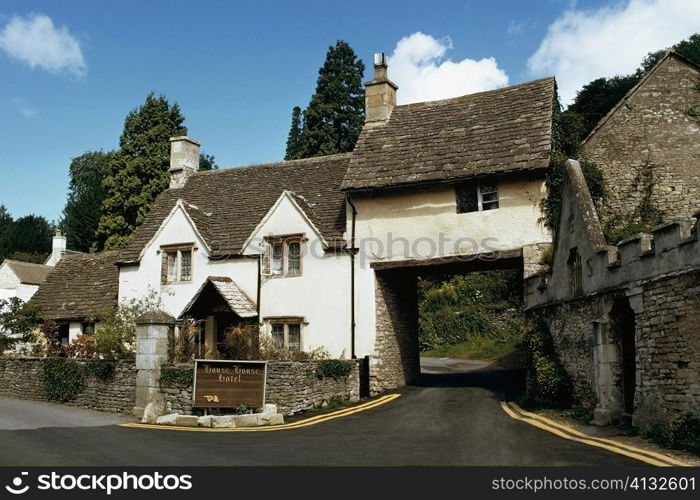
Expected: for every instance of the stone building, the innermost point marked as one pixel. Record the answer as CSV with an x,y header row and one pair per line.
x,y
624,319
648,149
325,252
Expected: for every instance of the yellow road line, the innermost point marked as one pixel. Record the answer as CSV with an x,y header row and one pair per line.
x,y
294,425
589,442
604,440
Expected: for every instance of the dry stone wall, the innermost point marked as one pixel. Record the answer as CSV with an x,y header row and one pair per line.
x,y
24,378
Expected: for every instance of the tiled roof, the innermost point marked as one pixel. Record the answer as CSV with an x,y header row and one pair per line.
x,y
27,272
491,132
81,286
236,299
227,205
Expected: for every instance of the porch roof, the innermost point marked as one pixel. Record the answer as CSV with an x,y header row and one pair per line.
x,y
234,297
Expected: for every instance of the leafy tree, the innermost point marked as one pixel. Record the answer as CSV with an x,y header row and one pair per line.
x,y
138,170
207,162
30,234
18,319
335,115
86,193
296,135
5,218
598,97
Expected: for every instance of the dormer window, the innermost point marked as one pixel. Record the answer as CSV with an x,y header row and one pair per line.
x,y
476,196
177,264
282,256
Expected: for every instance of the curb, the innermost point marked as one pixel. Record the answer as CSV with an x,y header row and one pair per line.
x,y
566,432
282,427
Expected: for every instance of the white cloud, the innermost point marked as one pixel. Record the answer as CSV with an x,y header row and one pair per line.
x,y
582,45
35,41
516,28
22,107
418,67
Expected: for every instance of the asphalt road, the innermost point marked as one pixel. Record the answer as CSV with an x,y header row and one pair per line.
x,y
452,418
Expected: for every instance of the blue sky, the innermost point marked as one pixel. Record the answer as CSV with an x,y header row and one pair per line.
x,y
71,70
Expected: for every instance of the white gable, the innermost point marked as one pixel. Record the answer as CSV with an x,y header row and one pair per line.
x,y
177,228
285,217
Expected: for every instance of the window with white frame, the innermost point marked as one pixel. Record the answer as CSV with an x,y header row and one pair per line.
x,y
282,256
286,334
177,265
476,196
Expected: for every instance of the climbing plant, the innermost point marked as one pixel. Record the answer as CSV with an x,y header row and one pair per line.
x,y
64,379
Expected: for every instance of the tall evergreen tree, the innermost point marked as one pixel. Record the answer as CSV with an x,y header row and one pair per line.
x,y
138,170
335,115
295,138
86,193
27,238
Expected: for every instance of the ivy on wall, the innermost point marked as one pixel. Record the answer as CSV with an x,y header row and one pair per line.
x,y
64,379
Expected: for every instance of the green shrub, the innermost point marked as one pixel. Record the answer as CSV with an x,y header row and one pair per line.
x,y
103,371
64,379
178,377
681,433
550,384
333,368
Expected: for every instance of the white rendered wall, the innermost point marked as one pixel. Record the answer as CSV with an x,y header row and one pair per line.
x,y
321,295
135,281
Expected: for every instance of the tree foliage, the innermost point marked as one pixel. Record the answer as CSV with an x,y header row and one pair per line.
x,y
296,135
86,193
138,171
27,238
18,320
334,117
207,162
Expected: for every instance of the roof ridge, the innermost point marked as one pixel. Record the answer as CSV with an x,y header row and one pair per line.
x,y
282,163
13,261
476,94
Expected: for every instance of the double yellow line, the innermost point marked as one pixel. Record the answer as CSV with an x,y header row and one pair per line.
x,y
566,432
283,427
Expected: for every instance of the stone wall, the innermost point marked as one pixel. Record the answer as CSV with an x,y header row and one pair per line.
x,y
650,144
292,385
396,362
570,326
668,349
24,378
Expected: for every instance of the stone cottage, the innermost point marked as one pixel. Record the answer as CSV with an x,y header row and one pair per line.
x,y
79,290
647,147
625,319
325,252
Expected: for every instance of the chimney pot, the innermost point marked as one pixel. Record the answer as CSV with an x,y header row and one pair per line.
x,y
184,159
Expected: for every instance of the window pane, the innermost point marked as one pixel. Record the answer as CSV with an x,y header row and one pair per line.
x,y
294,258
172,266
277,256
294,337
278,336
186,265
466,198
489,196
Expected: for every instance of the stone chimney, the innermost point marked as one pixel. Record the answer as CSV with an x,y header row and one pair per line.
x,y
380,94
58,249
184,160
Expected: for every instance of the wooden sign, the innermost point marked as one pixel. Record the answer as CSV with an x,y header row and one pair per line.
x,y
227,384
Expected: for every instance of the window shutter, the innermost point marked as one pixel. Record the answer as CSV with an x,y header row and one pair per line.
x,y
164,268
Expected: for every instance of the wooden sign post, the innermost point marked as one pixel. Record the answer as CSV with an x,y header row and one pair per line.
x,y
228,384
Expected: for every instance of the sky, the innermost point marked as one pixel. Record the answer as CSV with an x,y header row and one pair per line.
x,y
70,71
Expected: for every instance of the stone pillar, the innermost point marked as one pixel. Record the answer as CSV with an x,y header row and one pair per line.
x,y
151,352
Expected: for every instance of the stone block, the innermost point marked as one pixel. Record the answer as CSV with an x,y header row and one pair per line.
x,y
205,421
269,408
277,419
248,420
224,421
170,419
187,420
